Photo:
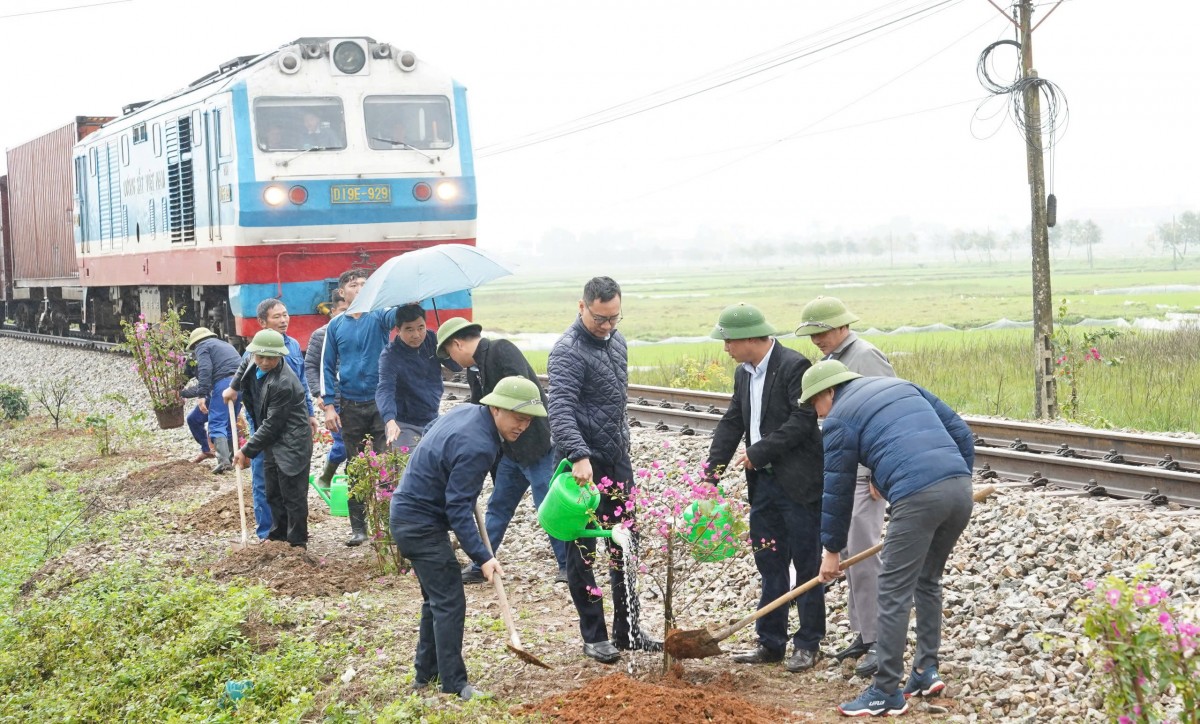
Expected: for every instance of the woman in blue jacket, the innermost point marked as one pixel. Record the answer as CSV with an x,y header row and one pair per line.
x,y
921,454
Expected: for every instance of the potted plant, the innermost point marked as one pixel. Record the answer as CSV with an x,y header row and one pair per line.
x,y
160,355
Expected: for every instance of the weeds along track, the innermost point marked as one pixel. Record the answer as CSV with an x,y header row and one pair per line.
x,y
1152,470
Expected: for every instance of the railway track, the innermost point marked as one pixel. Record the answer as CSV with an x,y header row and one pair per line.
x,y
1152,470
73,341
1149,469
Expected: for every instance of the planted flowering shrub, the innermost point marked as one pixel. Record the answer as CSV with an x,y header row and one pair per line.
x,y
160,355
689,533
1145,647
373,478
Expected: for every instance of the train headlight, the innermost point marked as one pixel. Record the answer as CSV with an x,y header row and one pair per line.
x,y
447,191
274,195
349,57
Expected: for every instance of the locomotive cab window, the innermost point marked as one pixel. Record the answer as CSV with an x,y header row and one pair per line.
x,y
399,122
299,124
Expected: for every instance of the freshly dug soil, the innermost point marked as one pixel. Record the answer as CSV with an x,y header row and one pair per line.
x,y
296,572
220,515
156,479
670,700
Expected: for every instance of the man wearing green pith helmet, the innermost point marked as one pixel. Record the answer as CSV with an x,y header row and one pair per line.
x,y
437,494
826,321
782,460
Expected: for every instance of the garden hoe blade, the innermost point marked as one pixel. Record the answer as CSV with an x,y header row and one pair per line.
x,y
514,641
702,643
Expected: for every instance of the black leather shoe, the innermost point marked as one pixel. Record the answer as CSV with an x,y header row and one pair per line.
x,y
853,651
646,644
760,655
869,664
561,577
801,660
471,575
602,651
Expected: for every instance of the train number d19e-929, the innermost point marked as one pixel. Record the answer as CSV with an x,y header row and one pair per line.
x,y
268,177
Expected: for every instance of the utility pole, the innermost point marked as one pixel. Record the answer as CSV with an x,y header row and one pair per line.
x,y
1045,398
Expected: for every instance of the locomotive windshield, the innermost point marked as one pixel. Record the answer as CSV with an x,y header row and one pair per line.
x,y
397,122
299,124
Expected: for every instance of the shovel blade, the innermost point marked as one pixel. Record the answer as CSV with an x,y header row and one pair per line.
x,y
527,657
694,644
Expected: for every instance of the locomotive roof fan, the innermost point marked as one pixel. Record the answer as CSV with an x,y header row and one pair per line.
x,y
348,56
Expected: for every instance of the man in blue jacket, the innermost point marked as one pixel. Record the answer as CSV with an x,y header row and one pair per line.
x,y
216,361
349,378
589,389
782,461
436,495
921,454
410,387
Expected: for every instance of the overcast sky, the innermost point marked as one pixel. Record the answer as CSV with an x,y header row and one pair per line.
x,y
844,138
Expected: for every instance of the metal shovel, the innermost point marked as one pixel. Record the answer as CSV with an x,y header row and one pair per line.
x,y
514,641
702,643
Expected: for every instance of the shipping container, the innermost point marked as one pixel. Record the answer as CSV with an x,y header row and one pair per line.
x,y
40,222
5,250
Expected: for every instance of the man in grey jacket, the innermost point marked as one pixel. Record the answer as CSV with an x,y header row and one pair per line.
x,y
827,322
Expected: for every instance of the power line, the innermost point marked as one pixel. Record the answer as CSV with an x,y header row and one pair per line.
x,y
683,91
60,10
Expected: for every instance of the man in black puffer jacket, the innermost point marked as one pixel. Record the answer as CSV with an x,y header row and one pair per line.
x,y
589,377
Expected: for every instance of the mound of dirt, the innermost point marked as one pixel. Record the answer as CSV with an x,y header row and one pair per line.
x,y
670,700
156,479
220,515
296,572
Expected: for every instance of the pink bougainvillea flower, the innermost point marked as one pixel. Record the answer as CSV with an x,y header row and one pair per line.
x,y
1113,596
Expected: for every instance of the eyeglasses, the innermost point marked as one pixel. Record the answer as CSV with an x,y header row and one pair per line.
x,y
601,320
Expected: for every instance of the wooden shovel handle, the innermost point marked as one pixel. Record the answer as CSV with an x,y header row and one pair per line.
x,y
505,612
979,496
237,472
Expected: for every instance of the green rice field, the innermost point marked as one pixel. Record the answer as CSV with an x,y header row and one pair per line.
x,y
1146,379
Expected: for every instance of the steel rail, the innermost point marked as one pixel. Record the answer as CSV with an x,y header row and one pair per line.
x,y
61,341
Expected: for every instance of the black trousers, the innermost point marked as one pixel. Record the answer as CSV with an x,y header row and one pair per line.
x,y
443,605
581,556
287,495
360,419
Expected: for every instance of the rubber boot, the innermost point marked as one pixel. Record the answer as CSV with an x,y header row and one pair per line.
x,y
358,522
224,455
327,474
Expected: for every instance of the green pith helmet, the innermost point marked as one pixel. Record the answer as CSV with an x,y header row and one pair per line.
x,y
742,321
198,335
448,329
517,394
267,343
822,376
823,314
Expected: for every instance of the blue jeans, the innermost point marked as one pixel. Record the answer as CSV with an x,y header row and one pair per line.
x,y
796,530
262,508
508,487
443,606
216,420
337,453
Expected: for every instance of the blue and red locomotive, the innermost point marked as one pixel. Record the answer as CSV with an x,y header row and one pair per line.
x,y
266,178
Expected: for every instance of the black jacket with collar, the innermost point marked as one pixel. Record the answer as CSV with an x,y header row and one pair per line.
x,y
279,406
790,442
493,362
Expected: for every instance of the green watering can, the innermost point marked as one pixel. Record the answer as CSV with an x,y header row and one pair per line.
x,y
335,496
567,509
704,527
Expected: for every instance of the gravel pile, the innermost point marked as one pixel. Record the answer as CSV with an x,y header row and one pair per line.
x,y
1009,640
